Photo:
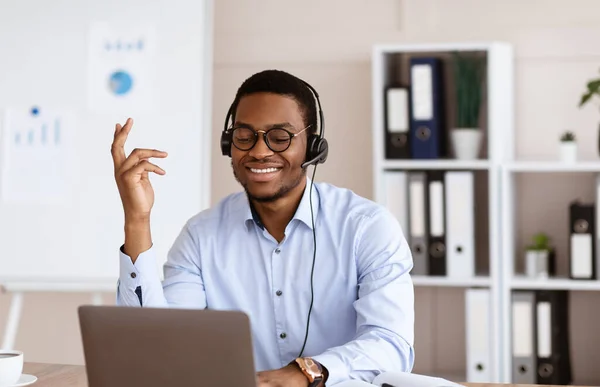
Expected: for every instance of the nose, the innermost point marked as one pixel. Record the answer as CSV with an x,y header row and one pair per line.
x,y
260,150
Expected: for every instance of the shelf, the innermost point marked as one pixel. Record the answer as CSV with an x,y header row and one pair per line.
x,y
435,164
553,166
391,48
440,281
554,284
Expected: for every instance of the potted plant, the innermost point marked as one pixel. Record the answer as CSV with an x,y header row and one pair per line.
x,y
592,89
568,147
539,257
466,136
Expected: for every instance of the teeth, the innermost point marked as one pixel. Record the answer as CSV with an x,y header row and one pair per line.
x,y
266,170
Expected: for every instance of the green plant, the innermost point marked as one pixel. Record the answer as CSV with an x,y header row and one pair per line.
x,y
593,88
567,137
468,79
540,241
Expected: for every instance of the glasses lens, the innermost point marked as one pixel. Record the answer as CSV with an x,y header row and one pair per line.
x,y
243,138
279,139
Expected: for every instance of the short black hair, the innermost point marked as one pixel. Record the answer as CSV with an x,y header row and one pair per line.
x,y
283,83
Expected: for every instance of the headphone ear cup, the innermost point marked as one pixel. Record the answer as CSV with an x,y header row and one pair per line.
x,y
317,147
226,144
322,149
311,147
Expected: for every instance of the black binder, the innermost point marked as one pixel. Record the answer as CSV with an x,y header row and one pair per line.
x,y
582,249
397,122
553,352
437,218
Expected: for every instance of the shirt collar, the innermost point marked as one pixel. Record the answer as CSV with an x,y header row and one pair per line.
x,y
302,212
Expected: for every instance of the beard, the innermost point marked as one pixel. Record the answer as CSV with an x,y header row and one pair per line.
x,y
283,189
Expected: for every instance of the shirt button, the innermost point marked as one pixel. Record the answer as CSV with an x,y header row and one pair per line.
x,y
283,335
277,251
279,293
133,275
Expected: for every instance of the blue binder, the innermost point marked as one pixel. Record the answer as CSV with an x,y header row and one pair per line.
x,y
427,132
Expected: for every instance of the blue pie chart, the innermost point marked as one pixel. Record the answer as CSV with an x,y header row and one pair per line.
x,y
120,82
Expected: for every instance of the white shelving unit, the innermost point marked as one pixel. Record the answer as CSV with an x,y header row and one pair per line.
x,y
503,173
512,280
499,123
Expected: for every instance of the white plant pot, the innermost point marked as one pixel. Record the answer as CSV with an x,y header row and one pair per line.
x,y
568,151
537,263
466,143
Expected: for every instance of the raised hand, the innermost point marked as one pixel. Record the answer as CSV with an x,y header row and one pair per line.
x,y
131,175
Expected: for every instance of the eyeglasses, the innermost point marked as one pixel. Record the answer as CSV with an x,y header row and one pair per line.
x,y
277,139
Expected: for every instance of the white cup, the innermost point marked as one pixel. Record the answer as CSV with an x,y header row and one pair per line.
x,y
11,367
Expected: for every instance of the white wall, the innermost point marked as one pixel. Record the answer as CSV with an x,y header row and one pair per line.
x,y
329,44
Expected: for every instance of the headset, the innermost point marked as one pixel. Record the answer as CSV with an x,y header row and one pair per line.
x,y
317,150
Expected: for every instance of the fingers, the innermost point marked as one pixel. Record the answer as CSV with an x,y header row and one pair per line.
x,y
118,145
139,155
143,168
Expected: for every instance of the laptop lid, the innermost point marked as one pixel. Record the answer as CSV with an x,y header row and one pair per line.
x,y
157,347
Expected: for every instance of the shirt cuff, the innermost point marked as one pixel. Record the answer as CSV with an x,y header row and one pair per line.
x,y
142,272
336,368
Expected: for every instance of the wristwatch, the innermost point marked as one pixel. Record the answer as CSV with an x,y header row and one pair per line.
x,y
311,369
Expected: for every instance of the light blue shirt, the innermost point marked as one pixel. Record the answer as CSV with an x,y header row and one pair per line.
x,y
362,322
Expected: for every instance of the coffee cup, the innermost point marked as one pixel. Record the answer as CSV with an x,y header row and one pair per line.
x,y
11,367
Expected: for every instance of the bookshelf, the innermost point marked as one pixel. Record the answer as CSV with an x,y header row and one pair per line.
x,y
531,204
515,198
390,66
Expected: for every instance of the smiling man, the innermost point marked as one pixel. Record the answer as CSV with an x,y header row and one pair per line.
x,y
322,273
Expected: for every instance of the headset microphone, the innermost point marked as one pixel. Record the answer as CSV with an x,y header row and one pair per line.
x,y
319,158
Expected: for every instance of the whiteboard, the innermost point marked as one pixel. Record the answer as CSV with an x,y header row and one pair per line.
x,y
45,51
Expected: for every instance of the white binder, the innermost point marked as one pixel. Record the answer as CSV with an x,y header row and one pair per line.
x,y
479,335
397,110
395,197
460,224
581,255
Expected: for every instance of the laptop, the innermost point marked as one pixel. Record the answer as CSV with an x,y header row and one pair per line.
x,y
157,347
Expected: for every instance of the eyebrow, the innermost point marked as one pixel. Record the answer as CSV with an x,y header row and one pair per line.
x,y
285,125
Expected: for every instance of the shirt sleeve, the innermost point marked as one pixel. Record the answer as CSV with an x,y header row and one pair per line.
x,y
384,339
140,284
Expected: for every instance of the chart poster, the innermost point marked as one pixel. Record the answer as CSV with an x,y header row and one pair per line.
x,y
121,68
37,155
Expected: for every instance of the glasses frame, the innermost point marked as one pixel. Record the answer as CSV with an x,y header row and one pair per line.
x,y
264,136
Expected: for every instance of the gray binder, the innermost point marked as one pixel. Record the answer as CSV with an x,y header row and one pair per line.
x,y
418,218
524,353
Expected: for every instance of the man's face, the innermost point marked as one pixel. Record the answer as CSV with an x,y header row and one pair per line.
x,y
267,175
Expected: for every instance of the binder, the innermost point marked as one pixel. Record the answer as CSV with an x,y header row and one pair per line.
x,y
460,223
553,354
479,335
395,196
523,337
582,260
597,226
397,122
437,223
427,132
418,219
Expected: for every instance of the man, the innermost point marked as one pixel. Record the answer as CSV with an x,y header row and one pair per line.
x,y
322,273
